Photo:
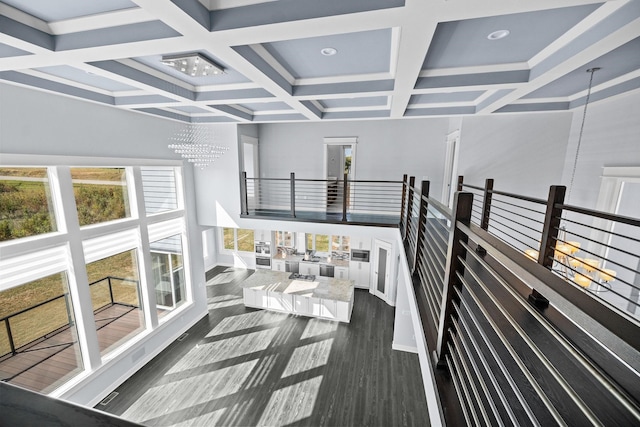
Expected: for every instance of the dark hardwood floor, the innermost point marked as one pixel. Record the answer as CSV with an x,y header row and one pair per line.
x,y
245,367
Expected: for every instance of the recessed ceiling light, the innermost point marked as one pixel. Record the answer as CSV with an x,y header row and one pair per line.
x,y
497,35
328,51
192,64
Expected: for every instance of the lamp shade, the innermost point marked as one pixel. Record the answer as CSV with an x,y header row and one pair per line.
x,y
582,280
607,275
590,264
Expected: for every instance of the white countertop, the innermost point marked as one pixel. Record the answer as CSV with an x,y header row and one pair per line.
x,y
321,287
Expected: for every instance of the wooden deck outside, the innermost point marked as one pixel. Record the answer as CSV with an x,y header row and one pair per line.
x,y
46,364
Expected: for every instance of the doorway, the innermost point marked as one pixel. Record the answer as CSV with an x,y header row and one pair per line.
x,y
250,165
339,155
449,182
382,269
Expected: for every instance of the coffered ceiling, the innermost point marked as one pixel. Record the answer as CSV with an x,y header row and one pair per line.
x,y
312,60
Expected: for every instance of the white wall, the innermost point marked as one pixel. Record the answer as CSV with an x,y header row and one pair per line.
x,y
34,122
611,137
523,153
386,149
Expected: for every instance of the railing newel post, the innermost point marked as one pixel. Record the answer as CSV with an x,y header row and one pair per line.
x,y
110,289
244,198
293,194
549,237
486,203
12,345
345,186
422,222
403,227
412,181
461,212
460,182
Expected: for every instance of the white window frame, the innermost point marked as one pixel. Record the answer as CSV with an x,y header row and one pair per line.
x,y
235,241
72,238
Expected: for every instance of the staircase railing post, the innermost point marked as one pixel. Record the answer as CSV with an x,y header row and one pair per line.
x,y
549,238
402,203
412,181
293,194
461,212
422,222
244,199
460,182
486,203
345,186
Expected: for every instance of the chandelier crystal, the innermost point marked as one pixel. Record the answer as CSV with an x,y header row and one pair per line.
x,y
192,143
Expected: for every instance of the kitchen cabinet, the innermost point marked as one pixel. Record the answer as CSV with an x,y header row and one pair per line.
x,y
278,264
360,273
361,243
262,235
341,273
309,269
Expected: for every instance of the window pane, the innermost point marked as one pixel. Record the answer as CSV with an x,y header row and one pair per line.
x,y
346,246
229,239
245,240
168,273
25,203
43,335
159,186
340,243
115,295
309,243
322,243
101,194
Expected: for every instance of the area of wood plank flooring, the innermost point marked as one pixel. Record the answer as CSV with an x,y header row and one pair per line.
x,y
245,367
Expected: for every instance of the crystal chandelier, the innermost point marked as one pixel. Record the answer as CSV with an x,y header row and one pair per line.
x,y
192,143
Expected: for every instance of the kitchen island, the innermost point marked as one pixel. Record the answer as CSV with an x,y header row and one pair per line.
x,y
322,297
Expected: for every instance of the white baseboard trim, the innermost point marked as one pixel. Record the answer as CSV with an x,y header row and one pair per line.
x,y
405,348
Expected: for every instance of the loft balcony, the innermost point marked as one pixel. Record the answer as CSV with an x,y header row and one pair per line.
x,y
338,200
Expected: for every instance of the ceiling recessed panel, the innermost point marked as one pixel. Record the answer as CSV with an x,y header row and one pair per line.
x,y
435,98
465,43
266,106
80,76
190,109
363,52
616,63
228,77
370,101
59,10
7,51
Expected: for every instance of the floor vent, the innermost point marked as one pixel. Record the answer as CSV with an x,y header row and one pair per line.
x,y
109,398
183,336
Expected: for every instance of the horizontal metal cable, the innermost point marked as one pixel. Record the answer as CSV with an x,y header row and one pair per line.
x,y
493,213
455,358
602,230
518,206
431,301
544,322
434,283
458,387
601,244
606,259
495,221
515,388
507,345
519,197
440,242
599,214
468,343
467,372
519,215
568,266
436,267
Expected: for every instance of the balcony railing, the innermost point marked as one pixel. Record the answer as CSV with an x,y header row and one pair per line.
x,y
53,328
517,338
325,200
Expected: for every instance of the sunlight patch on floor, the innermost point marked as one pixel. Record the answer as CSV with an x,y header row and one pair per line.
x,y
246,321
229,348
308,356
292,403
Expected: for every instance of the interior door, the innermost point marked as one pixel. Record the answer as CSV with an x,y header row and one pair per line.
x,y
382,269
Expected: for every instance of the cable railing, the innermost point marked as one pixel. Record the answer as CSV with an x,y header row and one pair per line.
x,y
55,315
332,200
514,335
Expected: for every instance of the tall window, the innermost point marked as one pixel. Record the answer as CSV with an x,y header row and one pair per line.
x,y
40,292
238,239
25,203
101,194
168,273
39,347
317,242
115,295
